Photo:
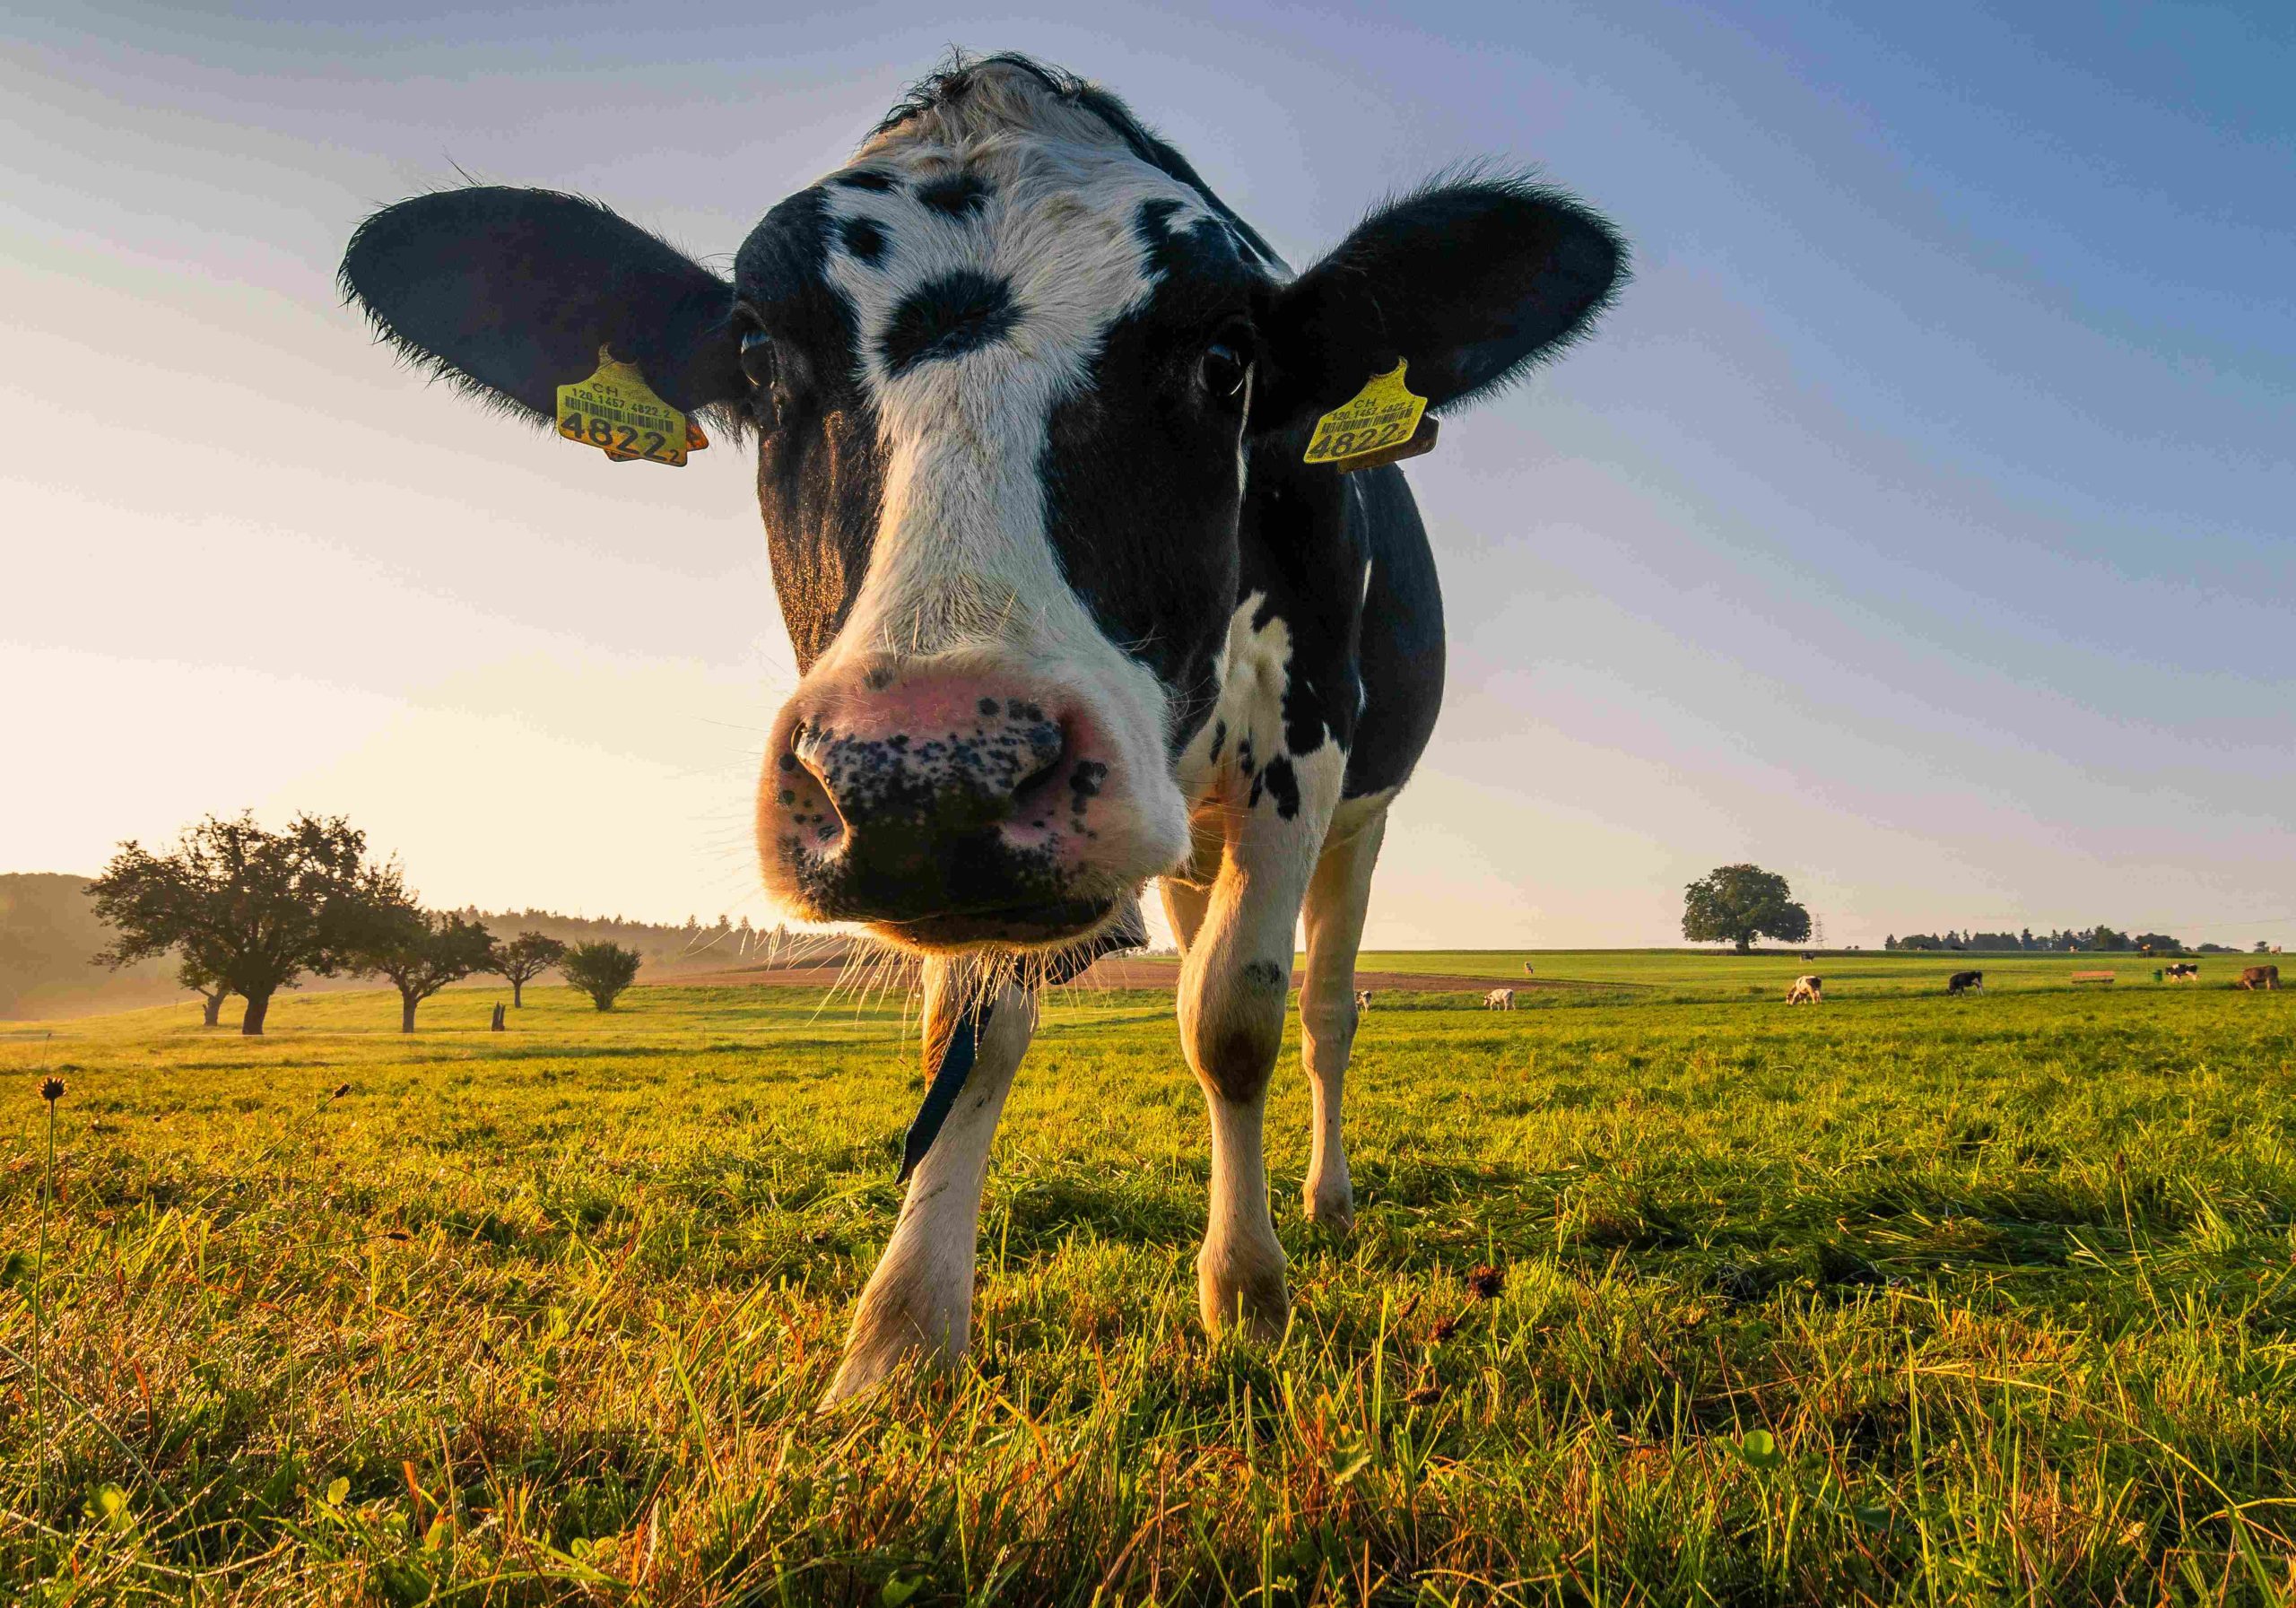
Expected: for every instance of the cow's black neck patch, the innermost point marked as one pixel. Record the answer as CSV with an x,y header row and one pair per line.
x,y
957,312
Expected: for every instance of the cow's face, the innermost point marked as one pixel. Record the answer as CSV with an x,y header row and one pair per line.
x,y
1006,376
1001,397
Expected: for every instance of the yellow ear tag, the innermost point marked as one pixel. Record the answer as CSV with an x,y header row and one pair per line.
x,y
1383,421
617,412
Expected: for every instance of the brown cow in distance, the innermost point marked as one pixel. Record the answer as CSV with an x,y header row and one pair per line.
x,y
2259,977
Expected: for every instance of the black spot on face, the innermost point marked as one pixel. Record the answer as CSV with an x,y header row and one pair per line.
x,y
1152,225
1203,246
959,194
960,311
865,242
864,178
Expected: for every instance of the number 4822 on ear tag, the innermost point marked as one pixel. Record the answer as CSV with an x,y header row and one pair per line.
x,y
616,412
1380,424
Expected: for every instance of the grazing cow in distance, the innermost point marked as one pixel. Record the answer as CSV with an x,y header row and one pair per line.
x,y
2259,976
1808,991
1362,1000
1807,955
1965,982
1085,524
1499,999
2182,971
1526,969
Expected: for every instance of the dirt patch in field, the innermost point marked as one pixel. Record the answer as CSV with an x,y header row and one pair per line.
x,y
1165,974
1128,973
757,976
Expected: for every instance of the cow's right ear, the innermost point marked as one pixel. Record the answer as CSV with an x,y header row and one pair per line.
x,y
511,294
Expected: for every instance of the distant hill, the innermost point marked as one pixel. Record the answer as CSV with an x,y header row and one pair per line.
x,y
49,936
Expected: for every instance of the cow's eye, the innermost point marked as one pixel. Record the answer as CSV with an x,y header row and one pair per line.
x,y
757,359
1224,368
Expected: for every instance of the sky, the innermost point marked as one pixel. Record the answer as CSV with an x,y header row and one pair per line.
x,y
1917,525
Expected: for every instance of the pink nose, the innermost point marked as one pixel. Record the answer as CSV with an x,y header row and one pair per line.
x,y
944,807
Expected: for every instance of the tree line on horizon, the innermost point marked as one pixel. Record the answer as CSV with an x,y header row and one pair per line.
x,y
2099,939
1737,904
248,911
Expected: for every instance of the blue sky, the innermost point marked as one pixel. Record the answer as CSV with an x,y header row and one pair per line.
x,y
1919,525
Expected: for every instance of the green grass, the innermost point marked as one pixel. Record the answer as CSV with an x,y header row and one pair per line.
x,y
1903,1299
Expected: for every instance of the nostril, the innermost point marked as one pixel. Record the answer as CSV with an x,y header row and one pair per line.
x,y
809,812
1050,746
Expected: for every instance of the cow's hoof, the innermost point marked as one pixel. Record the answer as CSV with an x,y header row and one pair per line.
x,y
889,1339
863,1372
1255,1304
1331,1207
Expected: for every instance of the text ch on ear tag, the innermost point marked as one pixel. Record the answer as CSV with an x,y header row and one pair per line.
x,y
617,412
1382,422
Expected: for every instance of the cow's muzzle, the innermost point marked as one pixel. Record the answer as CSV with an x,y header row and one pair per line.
x,y
944,809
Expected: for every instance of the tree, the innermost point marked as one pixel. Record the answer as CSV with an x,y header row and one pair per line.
x,y
212,991
421,952
1736,904
601,971
523,960
249,908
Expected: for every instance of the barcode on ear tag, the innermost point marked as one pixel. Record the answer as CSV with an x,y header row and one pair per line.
x,y
1380,424
616,412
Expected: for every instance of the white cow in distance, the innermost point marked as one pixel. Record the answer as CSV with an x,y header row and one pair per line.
x,y
1808,991
1499,999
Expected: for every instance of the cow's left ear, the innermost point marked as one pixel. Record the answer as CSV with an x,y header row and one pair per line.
x,y
1468,281
511,292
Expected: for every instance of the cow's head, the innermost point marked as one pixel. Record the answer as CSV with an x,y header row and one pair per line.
x,y
1007,373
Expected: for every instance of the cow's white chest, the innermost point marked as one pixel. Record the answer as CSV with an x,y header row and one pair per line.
x,y
1239,758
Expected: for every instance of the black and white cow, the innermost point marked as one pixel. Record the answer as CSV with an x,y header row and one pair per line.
x,y
1072,612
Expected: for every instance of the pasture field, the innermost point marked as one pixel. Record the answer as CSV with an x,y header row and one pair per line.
x,y
1899,1299
1719,974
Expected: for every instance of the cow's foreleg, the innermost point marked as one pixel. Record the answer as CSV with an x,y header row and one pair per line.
x,y
919,1303
1234,984
1337,896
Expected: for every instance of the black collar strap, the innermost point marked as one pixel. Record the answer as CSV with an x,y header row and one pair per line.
x,y
1128,932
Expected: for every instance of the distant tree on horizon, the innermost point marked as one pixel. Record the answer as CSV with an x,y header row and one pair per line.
x,y
1736,904
601,971
524,958
246,908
